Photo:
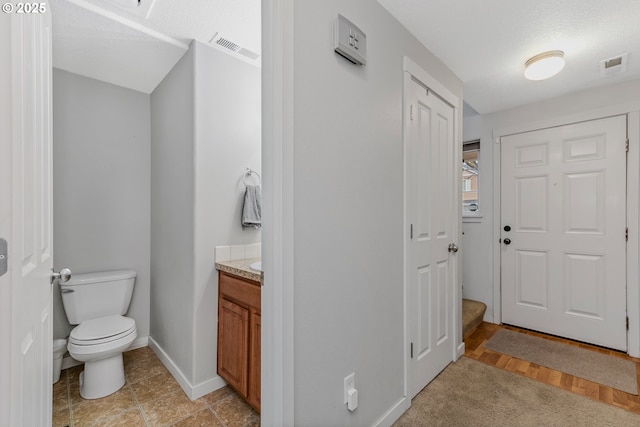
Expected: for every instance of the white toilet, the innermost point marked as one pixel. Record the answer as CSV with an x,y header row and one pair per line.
x,y
96,302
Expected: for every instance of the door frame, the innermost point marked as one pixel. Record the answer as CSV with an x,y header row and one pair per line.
x,y
632,111
412,70
277,355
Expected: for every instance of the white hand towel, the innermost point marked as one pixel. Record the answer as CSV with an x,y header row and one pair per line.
x,y
252,208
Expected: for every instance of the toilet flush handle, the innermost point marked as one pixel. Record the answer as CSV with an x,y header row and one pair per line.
x,y
64,275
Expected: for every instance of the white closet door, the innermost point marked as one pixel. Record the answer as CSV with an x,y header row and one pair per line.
x,y
432,212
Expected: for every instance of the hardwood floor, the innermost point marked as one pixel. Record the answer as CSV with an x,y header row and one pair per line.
x,y
474,349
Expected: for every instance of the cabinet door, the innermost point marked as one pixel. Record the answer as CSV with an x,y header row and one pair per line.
x,y
254,362
233,335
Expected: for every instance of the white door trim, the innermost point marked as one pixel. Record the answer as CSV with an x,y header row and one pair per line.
x,y
633,203
412,69
633,220
277,356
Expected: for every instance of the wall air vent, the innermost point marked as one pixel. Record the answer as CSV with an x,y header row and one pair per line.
x,y
228,44
224,42
615,65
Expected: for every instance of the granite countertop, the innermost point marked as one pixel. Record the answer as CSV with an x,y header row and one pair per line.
x,y
240,268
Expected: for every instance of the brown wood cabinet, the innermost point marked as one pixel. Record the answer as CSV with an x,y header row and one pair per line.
x,y
239,335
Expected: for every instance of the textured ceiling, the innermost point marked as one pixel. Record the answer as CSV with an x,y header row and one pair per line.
x,y
136,48
486,43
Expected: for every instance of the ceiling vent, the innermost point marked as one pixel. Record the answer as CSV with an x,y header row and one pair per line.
x,y
615,65
225,43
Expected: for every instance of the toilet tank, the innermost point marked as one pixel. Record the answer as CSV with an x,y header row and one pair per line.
x,y
93,295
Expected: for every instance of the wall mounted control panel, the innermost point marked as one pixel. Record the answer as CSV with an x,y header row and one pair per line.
x,y
349,41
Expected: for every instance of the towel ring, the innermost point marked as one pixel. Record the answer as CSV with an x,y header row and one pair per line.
x,y
249,172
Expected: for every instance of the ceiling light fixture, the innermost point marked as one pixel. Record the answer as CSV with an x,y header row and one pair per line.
x,y
544,65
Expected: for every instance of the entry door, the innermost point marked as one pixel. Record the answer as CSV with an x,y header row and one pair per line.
x,y
563,221
27,378
432,197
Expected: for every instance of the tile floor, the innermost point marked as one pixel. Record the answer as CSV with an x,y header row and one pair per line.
x,y
150,397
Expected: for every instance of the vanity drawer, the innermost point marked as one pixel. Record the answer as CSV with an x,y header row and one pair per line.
x,y
242,291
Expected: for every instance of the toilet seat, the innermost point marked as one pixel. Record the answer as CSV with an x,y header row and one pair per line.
x,y
102,330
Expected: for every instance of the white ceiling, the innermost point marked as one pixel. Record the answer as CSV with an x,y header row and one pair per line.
x,y
486,43
136,48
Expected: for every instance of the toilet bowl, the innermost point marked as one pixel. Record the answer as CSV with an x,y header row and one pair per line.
x,y
96,302
99,343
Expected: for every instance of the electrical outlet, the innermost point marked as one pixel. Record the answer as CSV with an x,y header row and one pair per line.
x,y
349,384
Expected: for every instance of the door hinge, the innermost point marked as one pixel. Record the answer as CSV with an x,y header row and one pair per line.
x,y
626,234
411,231
411,112
412,349
627,323
627,145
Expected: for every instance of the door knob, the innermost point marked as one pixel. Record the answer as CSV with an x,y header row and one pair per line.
x,y
453,248
64,275
507,241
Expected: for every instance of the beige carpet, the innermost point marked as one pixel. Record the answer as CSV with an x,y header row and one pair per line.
x,y
470,393
588,364
472,314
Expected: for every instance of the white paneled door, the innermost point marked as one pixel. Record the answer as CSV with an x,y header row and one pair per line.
x,y
27,359
563,221
432,199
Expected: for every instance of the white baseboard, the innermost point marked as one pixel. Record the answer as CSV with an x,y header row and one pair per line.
x,y
70,362
460,351
207,387
488,317
192,392
139,343
392,415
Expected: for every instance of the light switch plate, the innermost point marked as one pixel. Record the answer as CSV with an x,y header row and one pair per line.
x,y
349,384
350,41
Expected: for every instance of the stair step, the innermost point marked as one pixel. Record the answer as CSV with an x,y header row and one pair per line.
x,y
472,314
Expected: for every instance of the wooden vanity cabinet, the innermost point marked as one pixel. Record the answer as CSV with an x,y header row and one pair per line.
x,y
254,361
239,335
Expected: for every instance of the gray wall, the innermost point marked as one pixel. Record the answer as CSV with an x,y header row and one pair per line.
x,y
172,219
206,131
348,211
227,141
478,241
101,145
